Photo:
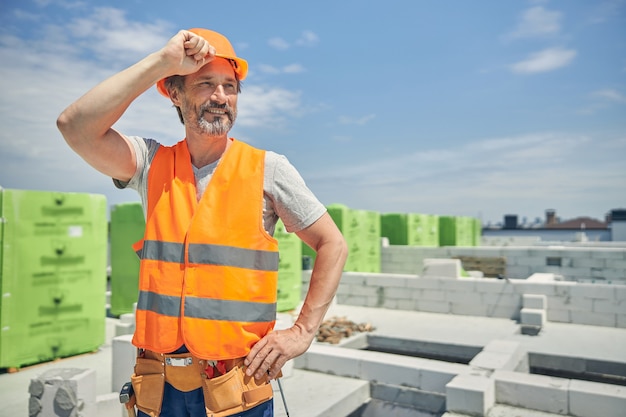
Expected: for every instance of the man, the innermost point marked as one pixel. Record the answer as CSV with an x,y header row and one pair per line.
x,y
208,272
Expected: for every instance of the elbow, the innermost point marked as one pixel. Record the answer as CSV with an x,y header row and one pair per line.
x,y
342,249
64,124
67,125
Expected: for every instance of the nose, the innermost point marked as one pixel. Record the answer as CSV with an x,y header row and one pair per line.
x,y
218,94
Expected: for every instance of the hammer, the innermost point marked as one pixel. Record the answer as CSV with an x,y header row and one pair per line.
x,y
126,395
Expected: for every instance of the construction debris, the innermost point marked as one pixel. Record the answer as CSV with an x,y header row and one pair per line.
x,y
336,328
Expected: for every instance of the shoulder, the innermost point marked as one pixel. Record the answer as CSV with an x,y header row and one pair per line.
x,y
275,162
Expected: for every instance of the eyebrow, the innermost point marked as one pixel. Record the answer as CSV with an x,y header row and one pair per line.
x,y
213,77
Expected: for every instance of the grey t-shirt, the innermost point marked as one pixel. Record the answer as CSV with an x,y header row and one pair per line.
x,y
285,193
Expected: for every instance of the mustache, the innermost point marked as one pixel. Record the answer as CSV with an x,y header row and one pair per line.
x,y
213,105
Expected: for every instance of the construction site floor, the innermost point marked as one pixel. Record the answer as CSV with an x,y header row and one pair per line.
x,y
314,394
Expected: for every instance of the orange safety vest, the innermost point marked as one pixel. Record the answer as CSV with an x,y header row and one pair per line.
x,y
208,270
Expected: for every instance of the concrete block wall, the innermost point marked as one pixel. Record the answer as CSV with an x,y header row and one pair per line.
x,y
567,302
491,378
559,395
580,264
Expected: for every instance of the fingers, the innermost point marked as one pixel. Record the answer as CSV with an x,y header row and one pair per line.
x,y
198,48
264,358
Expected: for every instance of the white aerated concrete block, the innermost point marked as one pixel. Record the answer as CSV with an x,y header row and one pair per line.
x,y
541,277
123,361
109,406
535,301
126,324
532,317
470,394
63,392
536,392
590,399
444,268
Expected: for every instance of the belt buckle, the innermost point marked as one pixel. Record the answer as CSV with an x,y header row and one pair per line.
x,y
179,361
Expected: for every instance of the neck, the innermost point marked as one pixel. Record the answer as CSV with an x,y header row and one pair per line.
x,y
206,150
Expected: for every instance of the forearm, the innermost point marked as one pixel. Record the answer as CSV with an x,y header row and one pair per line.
x,y
325,277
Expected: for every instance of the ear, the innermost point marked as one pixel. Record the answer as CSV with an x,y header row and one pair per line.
x,y
174,96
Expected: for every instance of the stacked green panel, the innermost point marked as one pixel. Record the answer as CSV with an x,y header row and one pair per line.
x,y
368,238
410,229
127,227
349,222
448,231
394,226
53,275
361,230
468,231
289,268
456,231
478,232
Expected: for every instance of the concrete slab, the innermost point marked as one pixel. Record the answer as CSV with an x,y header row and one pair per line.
x,y
312,394
307,392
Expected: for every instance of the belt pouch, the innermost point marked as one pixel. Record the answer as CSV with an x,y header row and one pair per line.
x,y
148,383
234,392
223,392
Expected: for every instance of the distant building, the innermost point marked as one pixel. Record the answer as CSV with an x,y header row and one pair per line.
x,y
580,229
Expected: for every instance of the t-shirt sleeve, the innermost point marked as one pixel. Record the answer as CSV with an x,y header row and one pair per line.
x,y
144,152
293,201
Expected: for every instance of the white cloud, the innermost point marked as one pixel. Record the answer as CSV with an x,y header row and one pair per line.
x,y
537,22
110,36
610,95
288,69
267,69
606,10
278,43
293,69
527,172
356,121
547,60
308,38
261,106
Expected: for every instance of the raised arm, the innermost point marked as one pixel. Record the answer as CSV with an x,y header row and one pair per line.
x,y
87,123
275,349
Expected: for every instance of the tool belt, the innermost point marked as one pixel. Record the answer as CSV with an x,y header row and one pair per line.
x,y
227,389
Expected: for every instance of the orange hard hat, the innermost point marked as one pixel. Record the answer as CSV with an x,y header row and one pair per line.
x,y
223,49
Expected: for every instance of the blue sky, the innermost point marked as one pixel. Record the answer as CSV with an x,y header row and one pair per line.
x,y
477,108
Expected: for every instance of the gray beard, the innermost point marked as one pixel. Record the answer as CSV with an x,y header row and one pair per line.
x,y
218,126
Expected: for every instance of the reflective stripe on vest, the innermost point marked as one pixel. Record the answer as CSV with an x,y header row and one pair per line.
x,y
203,308
210,255
209,270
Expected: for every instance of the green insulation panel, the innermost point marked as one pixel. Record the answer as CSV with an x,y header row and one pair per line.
x,y
478,232
349,223
456,231
289,268
361,230
53,257
364,242
410,229
127,227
